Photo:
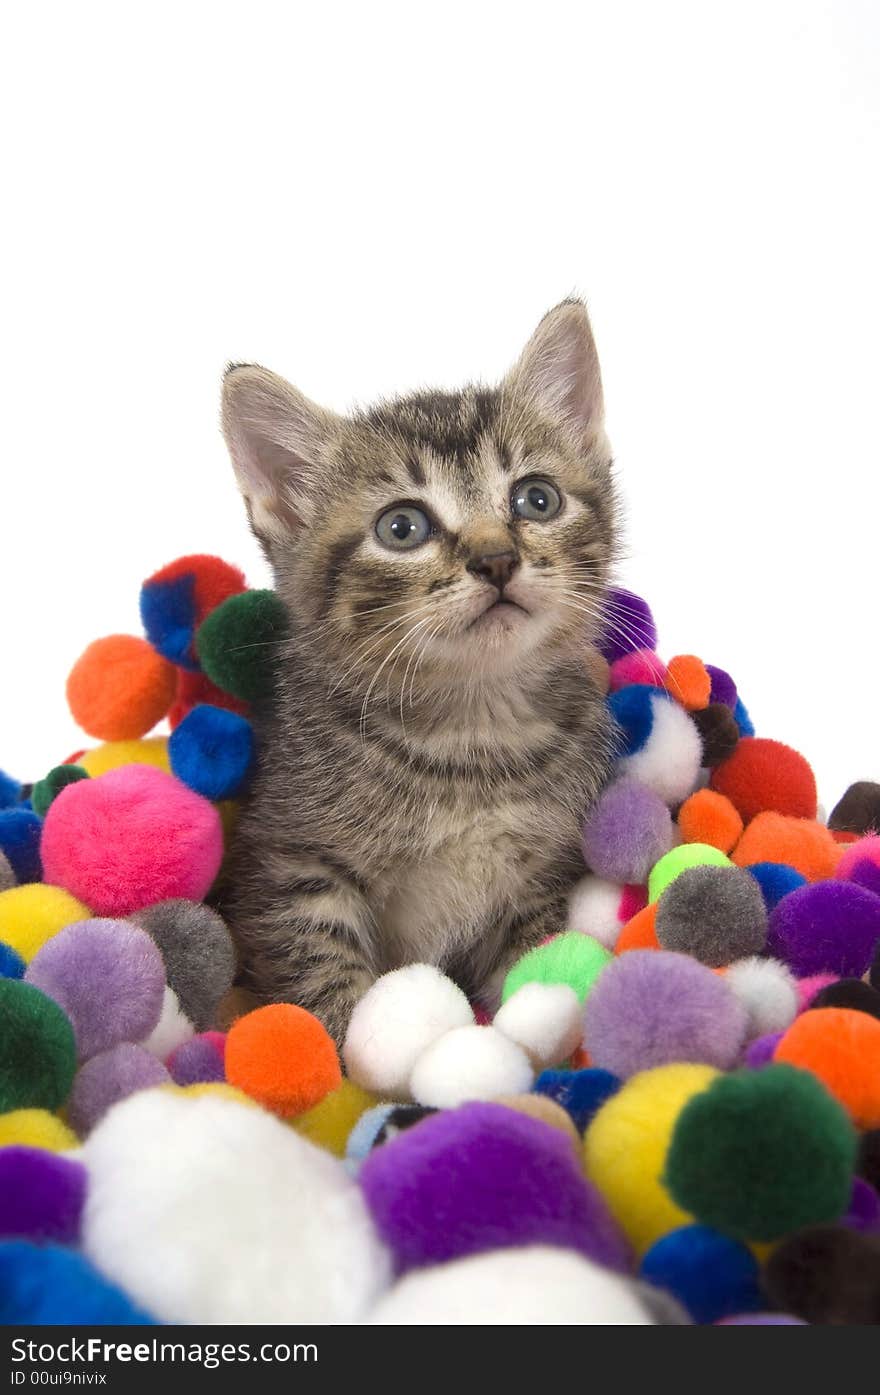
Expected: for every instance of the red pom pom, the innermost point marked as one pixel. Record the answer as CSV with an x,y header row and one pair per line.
x,y
764,776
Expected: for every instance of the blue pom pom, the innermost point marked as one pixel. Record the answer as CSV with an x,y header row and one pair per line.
x,y
580,1092
710,1274
742,719
20,840
11,963
366,1131
52,1286
10,791
212,751
776,879
633,710
168,615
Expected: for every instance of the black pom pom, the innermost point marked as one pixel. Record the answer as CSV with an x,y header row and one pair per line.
x,y
827,1275
719,732
849,993
859,809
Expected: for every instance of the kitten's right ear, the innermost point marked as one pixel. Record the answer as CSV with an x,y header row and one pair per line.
x,y
278,442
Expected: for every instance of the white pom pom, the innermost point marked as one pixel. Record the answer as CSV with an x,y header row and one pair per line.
x,y
209,1211
545,1019
534,1286
593,905
767,991
395,1021
669,762
172,1029
470,1063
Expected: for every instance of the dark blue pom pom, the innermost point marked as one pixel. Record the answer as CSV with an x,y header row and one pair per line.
x,y
776,879
168,615
742,719
212,751
11,963
580,1092
20,840
10,791
632,709
50,1285
710,1274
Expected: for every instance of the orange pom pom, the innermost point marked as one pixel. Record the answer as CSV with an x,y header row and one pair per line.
x,y
710,818
640,932
283,1057
766,775
842,1048
688,682
801,843
120,688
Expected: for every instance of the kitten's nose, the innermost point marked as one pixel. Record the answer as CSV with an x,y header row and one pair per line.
x,y
495,567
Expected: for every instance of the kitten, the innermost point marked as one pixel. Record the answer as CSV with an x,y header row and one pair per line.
x,y
436,736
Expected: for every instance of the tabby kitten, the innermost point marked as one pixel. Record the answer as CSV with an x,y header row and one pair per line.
x,y
435,736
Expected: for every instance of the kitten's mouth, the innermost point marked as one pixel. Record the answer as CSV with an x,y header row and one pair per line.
x,y
504,613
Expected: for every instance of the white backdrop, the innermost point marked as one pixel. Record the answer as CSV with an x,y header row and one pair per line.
x,y
368,197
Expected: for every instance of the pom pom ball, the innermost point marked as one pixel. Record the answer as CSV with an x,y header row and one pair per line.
x,y
11,963
395,1021
41,1195
545,1020
109,1077
858,811
711,1275
863,850
212,751
831,927
579,1092
689,682
842,1049
172,1030
576,960
112,755
851,993
197,952
50,1285
827,1275
45,790
469,1063
597,908
20,831
718,732
723,688
199,1060
768,993
544,1108
764,775
120,688
36,1128
640,932
641,666
668,759
707,817
176,600
195,688
282,1057
807,847
329,1123
627,831
10,791
31,915
863,1212
716,914
37,1048
686,855
629,625
7,876
775,880
130,838
237,643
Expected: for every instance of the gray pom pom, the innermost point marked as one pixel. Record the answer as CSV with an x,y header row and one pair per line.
x,y
715,914
198,952
7,876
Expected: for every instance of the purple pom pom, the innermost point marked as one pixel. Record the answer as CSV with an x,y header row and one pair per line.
x,y
652,1008
109,978
867,874
760,1052
41,1195
863,1212
827,927
627,832
629,625
112,1076
723,687
484,1177
197,1062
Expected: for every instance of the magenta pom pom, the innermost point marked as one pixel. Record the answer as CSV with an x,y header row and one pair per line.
x,y
109,978
653,1008
131,838
808,987
826,927
198,1061
108,1078
629,829
864,850
642,666
41,1195
632,900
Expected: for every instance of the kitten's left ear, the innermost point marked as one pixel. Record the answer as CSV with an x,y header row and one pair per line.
x,y
559,368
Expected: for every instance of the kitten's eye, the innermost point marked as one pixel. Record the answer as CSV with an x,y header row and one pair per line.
x,y
403,527
536,500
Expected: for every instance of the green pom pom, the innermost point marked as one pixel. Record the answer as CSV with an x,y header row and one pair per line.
x,y
686,855
762,1153
236,643
37,1049
571,958
45,790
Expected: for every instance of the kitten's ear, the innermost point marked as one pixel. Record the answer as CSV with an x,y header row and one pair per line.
x,y
278,442
559,368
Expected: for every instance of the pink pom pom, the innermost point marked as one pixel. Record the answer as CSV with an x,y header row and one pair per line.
x,y
865,850
130,838
807,988
632,900
642,666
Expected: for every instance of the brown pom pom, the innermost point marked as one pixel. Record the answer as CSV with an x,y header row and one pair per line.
x,y
826,1275
859,809
718,730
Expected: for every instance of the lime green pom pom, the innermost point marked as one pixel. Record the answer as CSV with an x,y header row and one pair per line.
x,y
762,1153
664,872
571,958
37,1049
45,790
236,643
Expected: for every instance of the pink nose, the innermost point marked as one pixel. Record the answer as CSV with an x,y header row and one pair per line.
x,y
494,567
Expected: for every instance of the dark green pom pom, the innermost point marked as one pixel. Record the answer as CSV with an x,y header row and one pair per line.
x,y
761,1153
236,643
45,790
37,1049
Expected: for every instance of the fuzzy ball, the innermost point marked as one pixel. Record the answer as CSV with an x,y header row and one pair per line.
x,y
378,1124
396,1020
20,831
807,847
31,915
35,1128
329,1123
12,965
195,688
760,1153
51,1285
581,1093
576,960
628,624
633,710
851,993
470,1063
120,688
37,1049
596,908
831,927
827,1275
868,1162
640,932
807,988
499,1289
106,1079
8,878
858,811
41,1195
625,1148
627,831
545,1020
669,760
716,914
11,791
653,1008
484,1177
865,849
171,1031
45,790
641,666
723,688
152,750
764,775
842,1049
199,1061
775,880
238,642
863,1212
768,993
718,732
688,681
547,1110
212,751
709,818
711,1275
176,600
108,977
234,1181
283,1057
197,952
130,838
679,860
760,1052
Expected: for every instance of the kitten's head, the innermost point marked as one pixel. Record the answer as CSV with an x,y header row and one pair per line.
x,y
467,532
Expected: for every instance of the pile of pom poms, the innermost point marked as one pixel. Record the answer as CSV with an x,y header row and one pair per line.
x,y
672,1117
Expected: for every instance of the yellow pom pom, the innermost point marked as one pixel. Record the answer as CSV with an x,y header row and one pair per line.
x,y
331,1120
31,914
626,1144
153,750
217,1088
36,1128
